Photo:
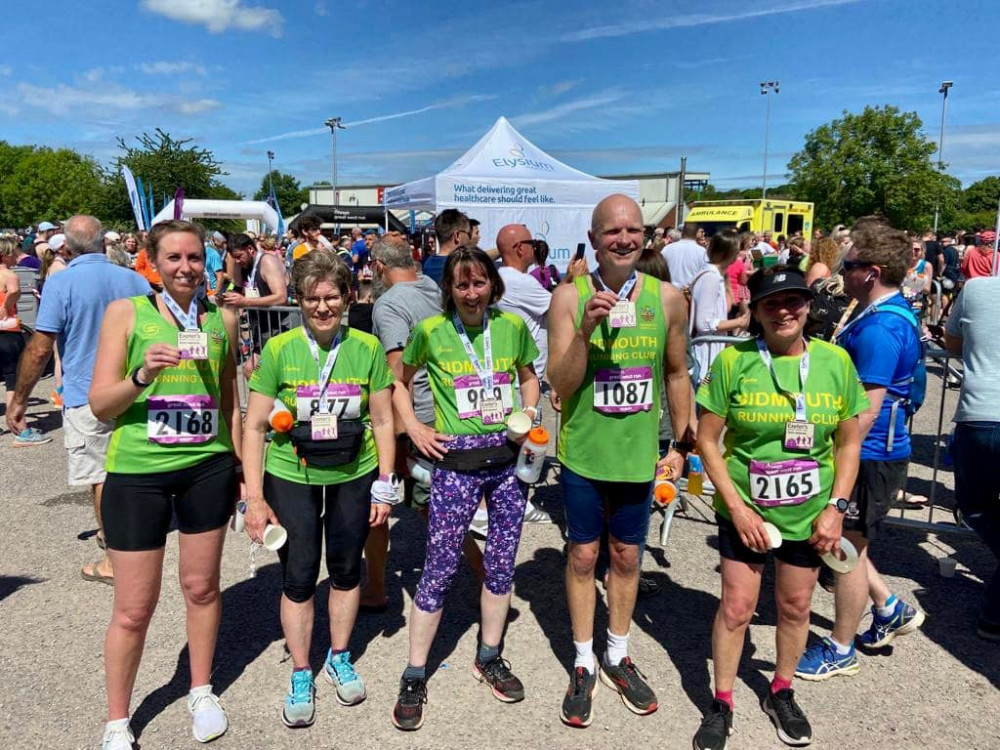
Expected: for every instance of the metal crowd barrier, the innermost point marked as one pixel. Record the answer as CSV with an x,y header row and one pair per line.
x,y
257,325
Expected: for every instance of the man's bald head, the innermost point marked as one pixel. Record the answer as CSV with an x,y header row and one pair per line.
x,y
613,209
508,242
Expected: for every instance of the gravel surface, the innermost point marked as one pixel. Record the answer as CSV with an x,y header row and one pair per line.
x,y
936,689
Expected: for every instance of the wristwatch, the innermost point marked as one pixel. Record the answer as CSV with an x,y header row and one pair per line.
x,y
840,503
135,378
682,446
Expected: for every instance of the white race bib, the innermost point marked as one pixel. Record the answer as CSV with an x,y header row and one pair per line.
x,y
624,390
174,420
777,483
470,394
343,401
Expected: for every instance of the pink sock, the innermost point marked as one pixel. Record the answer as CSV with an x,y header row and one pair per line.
x,y
726,697
779,683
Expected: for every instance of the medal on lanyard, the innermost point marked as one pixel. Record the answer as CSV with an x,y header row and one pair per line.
x,y
192,342
623,313
800,435
324,424
250,291
490,405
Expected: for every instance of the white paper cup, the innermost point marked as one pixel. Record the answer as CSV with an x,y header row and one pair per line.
x,y
773,535
947,566
518,425
274,537
847,563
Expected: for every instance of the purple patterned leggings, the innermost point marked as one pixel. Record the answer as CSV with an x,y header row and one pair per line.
x,y
454,498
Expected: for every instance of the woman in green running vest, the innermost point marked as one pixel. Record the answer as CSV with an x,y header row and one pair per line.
x,y
329,475
165,372
790,409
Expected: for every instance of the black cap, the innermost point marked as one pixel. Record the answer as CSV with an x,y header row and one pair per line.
x,y
777,280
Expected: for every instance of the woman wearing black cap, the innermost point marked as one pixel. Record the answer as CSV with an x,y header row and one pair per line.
x,y
789,408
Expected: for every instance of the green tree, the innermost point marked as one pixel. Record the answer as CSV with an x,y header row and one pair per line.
x,y
876,162
982,196
48,185
166,164
290,194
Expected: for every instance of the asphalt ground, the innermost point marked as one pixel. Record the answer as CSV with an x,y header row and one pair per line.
x,y
933,689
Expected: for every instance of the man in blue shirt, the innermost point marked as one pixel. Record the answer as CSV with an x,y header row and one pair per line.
x,y
883,340
453,230
71,311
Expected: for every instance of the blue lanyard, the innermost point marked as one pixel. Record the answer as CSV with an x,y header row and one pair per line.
x,y
327,369
626,289
188,320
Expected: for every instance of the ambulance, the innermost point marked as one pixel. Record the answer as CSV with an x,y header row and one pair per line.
x,y
780,216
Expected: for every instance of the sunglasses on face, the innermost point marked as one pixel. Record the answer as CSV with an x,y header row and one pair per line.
x,y
850,265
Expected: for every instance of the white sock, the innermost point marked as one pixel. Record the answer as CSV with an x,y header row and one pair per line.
x,y
481,514
584,655
617,649
200,690
117,724
889,608
842,650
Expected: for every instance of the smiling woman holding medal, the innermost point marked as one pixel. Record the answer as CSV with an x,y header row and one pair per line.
x,y
790,412
474,354
330,475
165,372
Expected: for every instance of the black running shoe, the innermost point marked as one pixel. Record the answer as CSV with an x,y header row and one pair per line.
x,y
496,673
792,725
578,704
408,714
631,685
715,727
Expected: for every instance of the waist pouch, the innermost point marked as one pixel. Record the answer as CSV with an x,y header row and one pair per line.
x,y
475,459
327,453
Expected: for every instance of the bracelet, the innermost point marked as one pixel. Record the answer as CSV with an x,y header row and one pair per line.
x,y
532,409
135,379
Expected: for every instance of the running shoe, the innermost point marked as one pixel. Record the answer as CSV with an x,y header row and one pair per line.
x,y
534,514
821,661
300,703
480,527
904,619
496,673
31,436
408,714
630,683
208,717
713,734
577,706
117,736
339,672
792,725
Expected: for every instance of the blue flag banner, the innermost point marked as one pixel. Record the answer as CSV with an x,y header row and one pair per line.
x,y
133,197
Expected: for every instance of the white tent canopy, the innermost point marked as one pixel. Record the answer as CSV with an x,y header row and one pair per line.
x,y
506,179
199,208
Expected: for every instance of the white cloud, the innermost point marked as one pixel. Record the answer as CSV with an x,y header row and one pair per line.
x,y
6,70
455,103
64,100
218,15
642,25
566,109
165,67
321,9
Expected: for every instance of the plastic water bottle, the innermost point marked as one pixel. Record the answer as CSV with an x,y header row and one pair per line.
x,y
280,419
532,455
420,470
695,484
664,491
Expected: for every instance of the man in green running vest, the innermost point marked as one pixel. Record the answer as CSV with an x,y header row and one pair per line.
x,y
614,336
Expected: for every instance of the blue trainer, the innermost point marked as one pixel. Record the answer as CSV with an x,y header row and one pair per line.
x,y
821,661
339,672
300,703
31,436
904,619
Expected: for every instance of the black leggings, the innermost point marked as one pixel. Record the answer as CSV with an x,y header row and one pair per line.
x,y
298,507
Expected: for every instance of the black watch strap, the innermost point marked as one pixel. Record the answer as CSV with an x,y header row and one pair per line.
x,y
682,446
135,379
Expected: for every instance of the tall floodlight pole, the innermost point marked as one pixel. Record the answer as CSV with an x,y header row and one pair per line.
x,y
945,85
270,182
335,124
767,87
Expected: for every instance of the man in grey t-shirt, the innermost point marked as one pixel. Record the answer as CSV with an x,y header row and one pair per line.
x,y
404,298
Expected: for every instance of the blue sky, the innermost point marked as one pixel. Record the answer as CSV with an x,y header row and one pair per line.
x,y
622,87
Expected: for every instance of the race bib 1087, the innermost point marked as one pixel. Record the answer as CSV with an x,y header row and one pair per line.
x,y
625,390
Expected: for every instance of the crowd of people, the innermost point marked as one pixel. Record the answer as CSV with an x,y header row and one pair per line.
x,y
788,366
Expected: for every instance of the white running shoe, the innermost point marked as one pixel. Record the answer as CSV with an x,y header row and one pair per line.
x,y
534,514
208,717
117,736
